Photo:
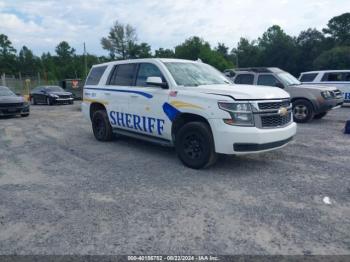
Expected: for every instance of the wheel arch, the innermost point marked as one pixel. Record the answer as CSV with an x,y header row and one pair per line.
x,y
185,118
306,99
95,106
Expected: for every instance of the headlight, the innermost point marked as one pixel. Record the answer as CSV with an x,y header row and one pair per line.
x,y
327,94
54,96
241,113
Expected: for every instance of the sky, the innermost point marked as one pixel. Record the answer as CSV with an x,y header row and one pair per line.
x,y
42,24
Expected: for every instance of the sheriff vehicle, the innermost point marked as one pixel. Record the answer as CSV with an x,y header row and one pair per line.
x,y
188,105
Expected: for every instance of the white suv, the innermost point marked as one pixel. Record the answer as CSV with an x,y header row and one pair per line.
x,y
337,78
186,104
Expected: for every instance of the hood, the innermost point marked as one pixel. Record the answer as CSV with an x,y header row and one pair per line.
x,y
11,99
316,87
244,92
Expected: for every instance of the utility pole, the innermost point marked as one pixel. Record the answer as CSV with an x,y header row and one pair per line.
x,y
85,62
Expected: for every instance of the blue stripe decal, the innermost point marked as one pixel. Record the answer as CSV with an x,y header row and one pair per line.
x,y
122,91
170,111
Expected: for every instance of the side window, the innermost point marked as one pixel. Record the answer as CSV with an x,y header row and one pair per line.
x,y
95,75
308,77
332,77
267,80
244,79
123,75
147,70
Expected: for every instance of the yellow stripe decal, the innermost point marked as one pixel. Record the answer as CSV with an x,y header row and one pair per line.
x,y
95,101
180,104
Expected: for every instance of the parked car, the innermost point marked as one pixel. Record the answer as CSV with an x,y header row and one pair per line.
x,y
50,95
188,105
309,101
12,104
336,78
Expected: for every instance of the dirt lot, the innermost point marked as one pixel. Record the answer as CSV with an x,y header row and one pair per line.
x,y
62,192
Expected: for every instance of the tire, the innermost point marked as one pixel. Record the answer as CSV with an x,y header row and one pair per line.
x,y
321,115
33,101
303,111
48,101
101,127
25,115
194,145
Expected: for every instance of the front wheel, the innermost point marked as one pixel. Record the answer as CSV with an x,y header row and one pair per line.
x,y
25,115
49,101
101,127
194,145
303,111
321,115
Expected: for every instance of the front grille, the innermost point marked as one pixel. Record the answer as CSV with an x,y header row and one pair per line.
x,y
273,105
11,105
337,93
275,120
64,96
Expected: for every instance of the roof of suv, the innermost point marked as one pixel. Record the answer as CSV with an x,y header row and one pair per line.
x,y
260,69
326,71
145,60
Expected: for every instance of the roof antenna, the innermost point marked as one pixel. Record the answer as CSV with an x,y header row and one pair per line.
x,y
199,60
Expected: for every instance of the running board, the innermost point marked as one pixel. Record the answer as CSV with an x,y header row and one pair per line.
x,y
148,138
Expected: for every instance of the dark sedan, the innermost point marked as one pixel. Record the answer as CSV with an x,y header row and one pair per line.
x,y
11,104
50,95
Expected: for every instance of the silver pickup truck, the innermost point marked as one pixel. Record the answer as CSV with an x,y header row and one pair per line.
x,y
309,101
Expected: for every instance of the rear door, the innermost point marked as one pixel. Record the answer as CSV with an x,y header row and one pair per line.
x,y
118,91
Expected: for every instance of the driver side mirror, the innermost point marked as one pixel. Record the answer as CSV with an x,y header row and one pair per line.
x,y
280,85
156,81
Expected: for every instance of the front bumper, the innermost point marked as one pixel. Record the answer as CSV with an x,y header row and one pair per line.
x,y
12,111
62,100
329,104
243,140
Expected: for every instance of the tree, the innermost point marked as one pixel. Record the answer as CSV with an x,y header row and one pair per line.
x,y
66,67
120,41
196,48
311,43
339,29
222,49
164,53
336,58
7,55
278,50
142,50
27,62
246,54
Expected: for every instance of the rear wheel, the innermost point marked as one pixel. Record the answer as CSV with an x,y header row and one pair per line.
x,y
302,111
48,101
32,100
321,115
194,145
101,127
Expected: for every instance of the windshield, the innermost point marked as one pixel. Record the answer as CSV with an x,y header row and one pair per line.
x,y
288,79
195,74
54,89
6,92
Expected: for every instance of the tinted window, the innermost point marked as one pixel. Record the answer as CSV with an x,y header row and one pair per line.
x,y
123,75
336,77
267,80
308,77
245,79
147,70
95,75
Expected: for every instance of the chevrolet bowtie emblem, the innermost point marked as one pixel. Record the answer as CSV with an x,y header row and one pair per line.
x,y
283,111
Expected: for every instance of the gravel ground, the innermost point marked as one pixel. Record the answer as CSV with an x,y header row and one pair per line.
x,y
62,192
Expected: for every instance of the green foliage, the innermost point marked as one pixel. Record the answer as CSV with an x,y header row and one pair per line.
x,y
336,58
339,29
247,53
7,55
164,53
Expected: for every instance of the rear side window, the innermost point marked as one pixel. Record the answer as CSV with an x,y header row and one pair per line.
x,y
336,77
245,79
267,80
123,75
308,77
95,75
